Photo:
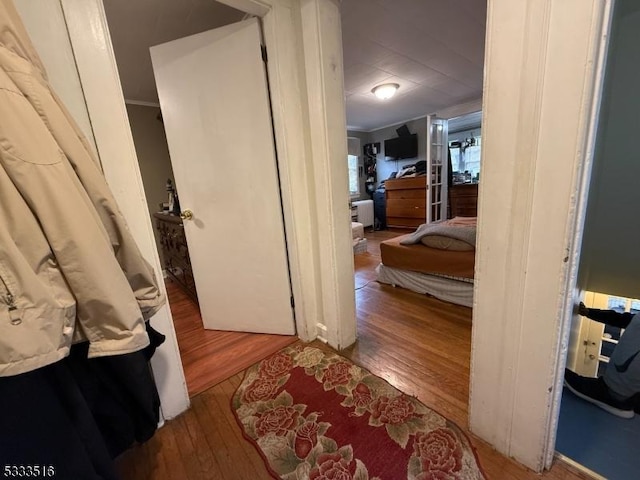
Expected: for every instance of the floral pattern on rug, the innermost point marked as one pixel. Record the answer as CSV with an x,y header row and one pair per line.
x,y
315,415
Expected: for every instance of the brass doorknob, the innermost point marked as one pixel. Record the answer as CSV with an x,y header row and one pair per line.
x,y
186,215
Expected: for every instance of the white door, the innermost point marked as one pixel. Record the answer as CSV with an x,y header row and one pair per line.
x,y
437,168
215,107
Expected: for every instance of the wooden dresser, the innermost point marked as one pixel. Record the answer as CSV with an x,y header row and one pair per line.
x,y
175,252
406,201
463,200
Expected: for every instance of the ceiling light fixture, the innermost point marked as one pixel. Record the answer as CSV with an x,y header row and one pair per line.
x,y
385,91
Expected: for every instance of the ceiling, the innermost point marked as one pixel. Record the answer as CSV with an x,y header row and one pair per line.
x,y
136,25
434,49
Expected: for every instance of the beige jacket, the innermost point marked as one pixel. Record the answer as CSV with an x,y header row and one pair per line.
x,y
69,268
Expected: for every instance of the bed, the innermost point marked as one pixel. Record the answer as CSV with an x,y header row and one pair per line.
x,y
428,261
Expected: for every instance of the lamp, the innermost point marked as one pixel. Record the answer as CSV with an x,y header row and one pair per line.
x,y
385,91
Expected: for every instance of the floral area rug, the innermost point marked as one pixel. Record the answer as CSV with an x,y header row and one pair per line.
x,y
315,415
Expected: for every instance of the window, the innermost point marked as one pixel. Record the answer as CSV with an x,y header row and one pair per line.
x,y
465,158
353,164
354,183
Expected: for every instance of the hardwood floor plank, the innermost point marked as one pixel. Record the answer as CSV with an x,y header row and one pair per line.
x,y
235,434
229,435
173,461
201,448
209,424
198,461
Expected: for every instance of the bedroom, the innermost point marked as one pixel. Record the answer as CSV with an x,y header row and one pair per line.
x,y
497,218
588,437
433,54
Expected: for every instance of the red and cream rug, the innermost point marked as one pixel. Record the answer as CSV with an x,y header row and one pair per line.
x,y
315,415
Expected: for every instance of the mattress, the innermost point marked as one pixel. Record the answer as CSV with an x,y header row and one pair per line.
x,y
443,288
423,259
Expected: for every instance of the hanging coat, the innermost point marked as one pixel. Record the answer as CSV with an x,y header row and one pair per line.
x,y
69,267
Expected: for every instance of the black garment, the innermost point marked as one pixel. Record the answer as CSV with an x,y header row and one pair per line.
x,y
610,317
421,167
78,414
120,392
45,422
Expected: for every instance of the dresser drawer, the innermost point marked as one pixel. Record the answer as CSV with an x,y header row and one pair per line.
x,y
407,207
464,200
404,222
406,201
413,193
405,183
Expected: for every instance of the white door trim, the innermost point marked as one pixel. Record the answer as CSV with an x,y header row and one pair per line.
x,y
542,77
322,40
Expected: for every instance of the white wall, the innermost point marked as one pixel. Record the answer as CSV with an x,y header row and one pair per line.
x,y
385,167
610,258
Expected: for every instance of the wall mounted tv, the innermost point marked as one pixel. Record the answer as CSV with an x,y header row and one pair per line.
x,y
405,146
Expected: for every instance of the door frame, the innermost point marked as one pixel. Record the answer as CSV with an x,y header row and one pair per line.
x,y
539,54
543,80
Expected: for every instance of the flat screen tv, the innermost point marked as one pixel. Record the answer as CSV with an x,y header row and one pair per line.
x,y
405,146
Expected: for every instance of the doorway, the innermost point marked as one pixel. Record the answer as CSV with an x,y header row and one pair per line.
x,y
208,356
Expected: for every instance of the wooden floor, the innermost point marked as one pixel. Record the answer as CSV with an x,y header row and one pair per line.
x,y
210,356
419,344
